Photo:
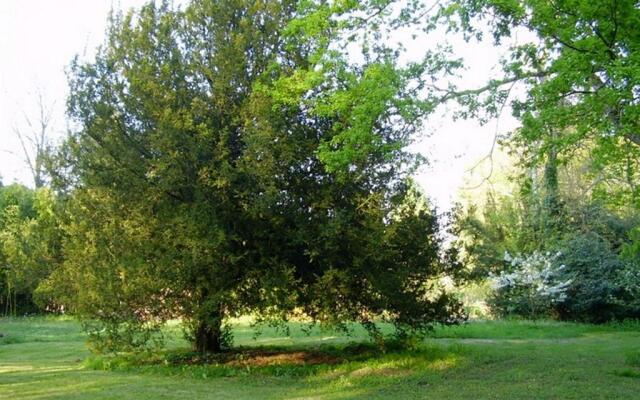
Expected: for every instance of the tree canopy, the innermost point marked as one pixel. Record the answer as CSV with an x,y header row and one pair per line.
x,y
226,161
234,157
581,73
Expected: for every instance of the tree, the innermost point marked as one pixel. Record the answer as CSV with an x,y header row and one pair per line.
x,y
30,246
586,55
579,73
225,164
579,77
36,142
18,200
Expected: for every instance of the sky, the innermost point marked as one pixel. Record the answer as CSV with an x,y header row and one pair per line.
x,y
39,38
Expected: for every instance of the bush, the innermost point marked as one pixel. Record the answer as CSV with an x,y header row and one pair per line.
x,y
603,285
628,294
531,286
585,280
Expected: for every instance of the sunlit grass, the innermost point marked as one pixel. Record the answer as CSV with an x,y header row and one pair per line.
x,y
46,358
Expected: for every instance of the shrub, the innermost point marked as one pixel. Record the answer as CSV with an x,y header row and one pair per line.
x,y
602,284
584,280
628,293
530,286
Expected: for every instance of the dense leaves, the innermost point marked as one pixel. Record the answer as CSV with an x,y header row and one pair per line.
x,y
581,75
30,247
223,166
237,157
591,246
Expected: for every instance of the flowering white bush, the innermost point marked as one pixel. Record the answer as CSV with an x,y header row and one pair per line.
x,y
531,286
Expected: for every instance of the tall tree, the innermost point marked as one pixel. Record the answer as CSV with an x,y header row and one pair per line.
x,y
36,139
587,53
227,162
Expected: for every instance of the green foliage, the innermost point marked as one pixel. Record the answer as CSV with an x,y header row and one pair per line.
x,y
18,196
591,237
16,201
629,277
30,246
108,276
580,73
594,249
602,284
223,165
631,249
505,224
357,78
115,336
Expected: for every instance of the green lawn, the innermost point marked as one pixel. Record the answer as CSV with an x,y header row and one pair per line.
x,y
46,358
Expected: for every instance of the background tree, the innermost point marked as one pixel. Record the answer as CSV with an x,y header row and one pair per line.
x,y
30,246
584,252
584,52
36,140
16,202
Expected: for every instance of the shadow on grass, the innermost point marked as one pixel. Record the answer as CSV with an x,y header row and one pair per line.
x,y
500,359
355,360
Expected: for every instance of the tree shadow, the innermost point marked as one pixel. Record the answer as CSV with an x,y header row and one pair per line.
x,y
354,360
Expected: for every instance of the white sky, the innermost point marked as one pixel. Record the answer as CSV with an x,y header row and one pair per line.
x,y
38,39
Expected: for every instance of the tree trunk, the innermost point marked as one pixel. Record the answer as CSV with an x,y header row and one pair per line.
x,y
551,201
208,335
551,183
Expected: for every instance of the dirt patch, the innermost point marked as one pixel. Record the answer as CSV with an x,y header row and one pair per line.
x,y
264,358
257,358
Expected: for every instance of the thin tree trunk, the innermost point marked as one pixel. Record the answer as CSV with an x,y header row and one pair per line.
x,y
551,195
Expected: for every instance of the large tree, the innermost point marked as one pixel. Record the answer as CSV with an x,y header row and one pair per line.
x,y
581,74
226,160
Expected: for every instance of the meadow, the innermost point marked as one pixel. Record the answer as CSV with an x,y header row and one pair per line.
x,y
47,358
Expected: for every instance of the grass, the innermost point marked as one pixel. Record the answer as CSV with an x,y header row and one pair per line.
x,y
46,358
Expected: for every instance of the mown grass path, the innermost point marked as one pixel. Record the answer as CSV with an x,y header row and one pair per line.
x,y
45,358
